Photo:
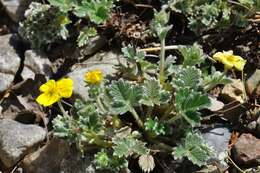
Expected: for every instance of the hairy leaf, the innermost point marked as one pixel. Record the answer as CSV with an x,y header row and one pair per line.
x,y
85,34
194,148
189,77
155,126
146,163
105,161
124,147
187,100
124,95
153,93
210,81
192,55
131,53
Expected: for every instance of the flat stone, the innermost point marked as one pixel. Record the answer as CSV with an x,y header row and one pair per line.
x,y
105,62
253,83
9,62
36,64
47,159
233,91
218,138
15,8
247,150
17,140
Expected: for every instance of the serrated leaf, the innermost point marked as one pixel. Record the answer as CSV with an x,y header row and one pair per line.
x,y
194,148
153,93
104,160
125,96
146,163
85,34
186,77
155,126
124,147
192,55
211,81
98,11
131,53
193,118
63,5
187,100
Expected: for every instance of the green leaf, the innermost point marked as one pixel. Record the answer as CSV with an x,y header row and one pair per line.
x,y
98,11
189,77
124,95
188,100
159,23
211,81
155,126
153,93
63,5
89,118
124,147
105,161
193,118
131,53
85,34
192,55
194,148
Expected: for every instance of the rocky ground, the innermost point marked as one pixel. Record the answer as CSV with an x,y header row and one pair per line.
x,y
26,146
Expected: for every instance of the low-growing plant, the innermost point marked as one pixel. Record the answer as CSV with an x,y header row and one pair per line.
x,y
45,24
132,118
218,14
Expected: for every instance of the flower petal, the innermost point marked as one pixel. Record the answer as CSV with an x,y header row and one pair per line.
x,y
47,99
48,86
94,77
65,87
239,65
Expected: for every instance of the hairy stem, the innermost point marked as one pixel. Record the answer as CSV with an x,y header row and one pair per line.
x,y
137,118
162,61
63,110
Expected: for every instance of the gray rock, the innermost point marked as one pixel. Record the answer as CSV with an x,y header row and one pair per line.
x,y
48,158
36,64
17,140
75,163
246,150
15,8
253,83
9,62
103,61
218,138
258,126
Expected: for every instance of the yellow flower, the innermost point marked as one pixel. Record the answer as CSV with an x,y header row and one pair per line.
x,y
53,91
230,60
94,77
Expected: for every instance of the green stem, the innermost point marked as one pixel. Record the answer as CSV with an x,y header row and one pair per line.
x,y
137,118
162,61
63,110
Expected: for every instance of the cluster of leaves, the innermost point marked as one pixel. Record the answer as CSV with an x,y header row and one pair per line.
x,y
45,24
207,14
154,107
